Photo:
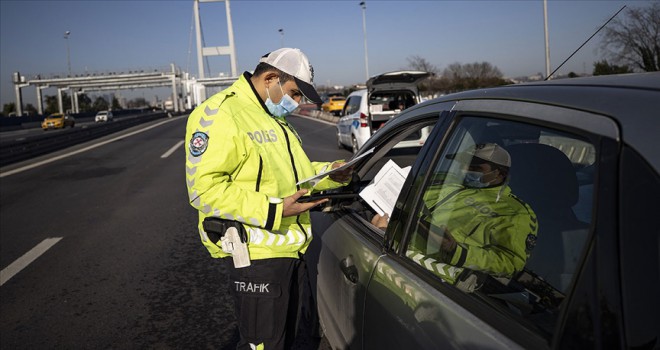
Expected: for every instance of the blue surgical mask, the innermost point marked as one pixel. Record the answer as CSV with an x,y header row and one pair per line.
x,y
473,179
286,106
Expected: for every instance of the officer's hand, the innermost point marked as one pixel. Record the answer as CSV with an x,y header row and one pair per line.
x,y
342,175
293,208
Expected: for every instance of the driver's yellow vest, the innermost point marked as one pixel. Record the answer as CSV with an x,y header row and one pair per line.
x,y
495,231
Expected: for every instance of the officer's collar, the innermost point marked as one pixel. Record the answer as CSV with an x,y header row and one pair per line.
x,y
248,77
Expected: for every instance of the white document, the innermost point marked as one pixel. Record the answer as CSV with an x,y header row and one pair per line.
x,y
312,181
382,192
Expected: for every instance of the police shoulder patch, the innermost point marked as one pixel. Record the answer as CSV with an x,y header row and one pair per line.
x,y
530,242
198,143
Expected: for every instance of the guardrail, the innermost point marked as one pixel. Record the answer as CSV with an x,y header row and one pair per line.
x,y
13,151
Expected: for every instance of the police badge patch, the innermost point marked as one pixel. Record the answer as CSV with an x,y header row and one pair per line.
x,y
198,144
530,243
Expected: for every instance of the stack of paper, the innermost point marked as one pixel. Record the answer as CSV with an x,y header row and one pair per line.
x,y
382,192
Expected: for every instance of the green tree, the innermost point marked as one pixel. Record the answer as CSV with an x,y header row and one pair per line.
x,y
8,108
30,109
84,103
634,40
51,104
53,107
137,102
605,68
115,103
100,104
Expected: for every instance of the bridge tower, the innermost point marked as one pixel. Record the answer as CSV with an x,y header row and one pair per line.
x,y
229,50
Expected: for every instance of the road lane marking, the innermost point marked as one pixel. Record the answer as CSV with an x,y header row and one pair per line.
x,y
65,155
27,258
171,150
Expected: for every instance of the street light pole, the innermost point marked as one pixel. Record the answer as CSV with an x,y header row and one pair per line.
x,y
547,47
363,4
281,37
68,53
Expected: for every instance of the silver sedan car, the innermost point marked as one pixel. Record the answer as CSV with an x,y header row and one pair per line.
x,y
561,252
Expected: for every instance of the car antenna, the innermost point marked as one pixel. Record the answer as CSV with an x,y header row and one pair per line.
x,y
578,49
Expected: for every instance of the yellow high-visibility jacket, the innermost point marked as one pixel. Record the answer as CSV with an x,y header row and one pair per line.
x,y
495,231
240,163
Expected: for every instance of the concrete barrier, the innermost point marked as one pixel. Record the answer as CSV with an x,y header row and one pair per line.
x,y
311,110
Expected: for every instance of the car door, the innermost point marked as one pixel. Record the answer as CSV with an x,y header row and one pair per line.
x,y
416,300
351,246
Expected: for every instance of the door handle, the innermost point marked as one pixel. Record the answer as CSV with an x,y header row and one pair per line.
x,y
348,268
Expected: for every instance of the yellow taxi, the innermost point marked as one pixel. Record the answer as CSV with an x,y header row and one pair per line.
x,y
58,121
334,104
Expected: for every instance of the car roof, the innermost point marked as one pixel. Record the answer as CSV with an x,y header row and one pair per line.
x,y
631,100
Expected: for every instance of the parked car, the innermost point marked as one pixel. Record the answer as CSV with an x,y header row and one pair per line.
x,y
584,156
58,121
104,116
334,104
367,110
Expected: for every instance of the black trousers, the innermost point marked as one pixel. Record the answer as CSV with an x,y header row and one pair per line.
x,y
268,295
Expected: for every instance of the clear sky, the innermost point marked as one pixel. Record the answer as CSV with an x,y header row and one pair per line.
x,y
129,35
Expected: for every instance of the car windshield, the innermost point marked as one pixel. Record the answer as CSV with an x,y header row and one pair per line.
x,y
102,113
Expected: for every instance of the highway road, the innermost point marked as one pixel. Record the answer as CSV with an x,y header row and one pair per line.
x,y
99,249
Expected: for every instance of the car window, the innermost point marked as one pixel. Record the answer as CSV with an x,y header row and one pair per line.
x,y
402,146
504,216
352,105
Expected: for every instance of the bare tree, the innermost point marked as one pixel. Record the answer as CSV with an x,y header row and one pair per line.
x,y
458,77
420,63
635,39
481,71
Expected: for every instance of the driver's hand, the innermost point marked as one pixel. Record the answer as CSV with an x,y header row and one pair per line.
x,y
448,243
380,221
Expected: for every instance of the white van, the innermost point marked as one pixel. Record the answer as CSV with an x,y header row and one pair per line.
x,y
367,110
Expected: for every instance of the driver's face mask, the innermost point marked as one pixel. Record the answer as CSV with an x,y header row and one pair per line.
x,y
473,179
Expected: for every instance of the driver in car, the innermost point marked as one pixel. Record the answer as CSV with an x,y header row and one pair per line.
x,y
478,224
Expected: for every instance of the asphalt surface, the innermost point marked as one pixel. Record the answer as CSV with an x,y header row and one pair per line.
x,y
128,270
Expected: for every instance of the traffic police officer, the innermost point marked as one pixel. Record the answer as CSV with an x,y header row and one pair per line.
x,y
243,165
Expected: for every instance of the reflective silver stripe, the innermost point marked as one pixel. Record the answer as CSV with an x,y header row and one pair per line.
x,y
444,270
205,237
267,238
